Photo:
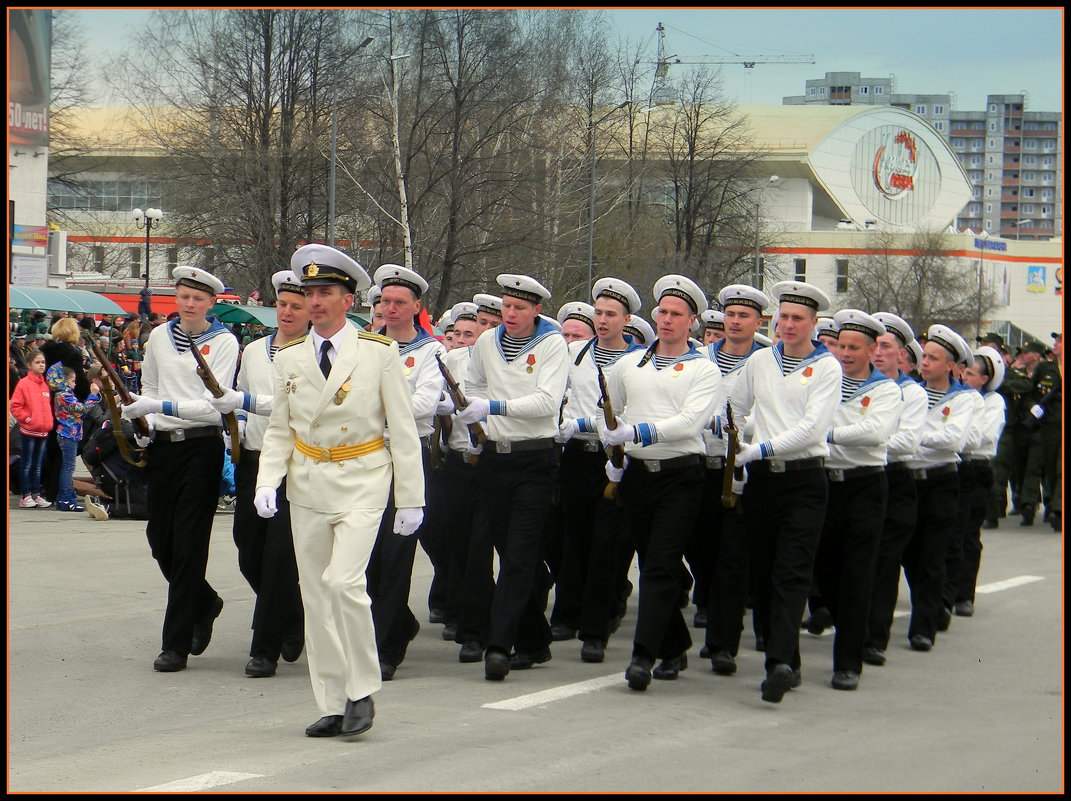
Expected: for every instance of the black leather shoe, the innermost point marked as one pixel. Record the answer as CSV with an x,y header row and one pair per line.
x,y
920,643
260,667
437,615
778,682
495,666
202,630
593,651
450,632
1027,513
560,632
873,655
797,680
638,674
699,621
669,669
520,660
723,663
386,670
471,651
819,621
989,524
1056,521
169,662
845,680
293,645
358,717
944,620
964,609
329,726
704,652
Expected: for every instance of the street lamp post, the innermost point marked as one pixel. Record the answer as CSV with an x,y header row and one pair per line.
x,y
149,216
334,151
591,190
756,278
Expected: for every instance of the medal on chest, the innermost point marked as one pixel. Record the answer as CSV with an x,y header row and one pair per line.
x,y
807,373
945,412
291,383
863,404
343,391
409,362
531,362
677,368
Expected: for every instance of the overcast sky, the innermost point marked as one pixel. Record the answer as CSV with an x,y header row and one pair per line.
x,y
971,52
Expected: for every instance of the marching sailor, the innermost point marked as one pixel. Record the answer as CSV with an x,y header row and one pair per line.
x,y
713,326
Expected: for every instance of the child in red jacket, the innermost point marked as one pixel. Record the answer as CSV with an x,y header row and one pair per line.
x,y
31,406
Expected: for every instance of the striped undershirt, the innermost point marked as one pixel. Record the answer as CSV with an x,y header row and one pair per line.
x,y
274,350
183,341
511,346
789,363
849,386
934,397
603,356
726,361
663,361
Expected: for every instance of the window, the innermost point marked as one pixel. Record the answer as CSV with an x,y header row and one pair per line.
x,y
957,143
938,110
992,107
1031,144
1046,210
98,258
821,90
976,161
992,126
1046,161
812,90
990,160
134,257
989,175
1028,208
879,90
920,110
1030,160
842,275
939,126
1029,176
992,143
863,90
1028,192
989,206
800,266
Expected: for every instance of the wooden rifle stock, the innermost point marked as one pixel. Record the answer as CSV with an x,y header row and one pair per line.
x,y
117,382
617,452
212,385
476,433
728,497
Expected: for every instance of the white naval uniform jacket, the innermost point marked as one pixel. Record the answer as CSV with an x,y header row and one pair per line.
x,y
669,406
864,423
305,407
947,425
457,362
423,377
171,376
717,444
794,412
905,440
584,393
989,425
256,379
525,394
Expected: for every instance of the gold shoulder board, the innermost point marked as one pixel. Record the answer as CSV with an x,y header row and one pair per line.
x,y
375,337
295,342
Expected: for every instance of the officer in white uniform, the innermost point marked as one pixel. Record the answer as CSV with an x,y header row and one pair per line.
x,y
663,396
185,459
336,392
516,381
787,394
893,349
864,421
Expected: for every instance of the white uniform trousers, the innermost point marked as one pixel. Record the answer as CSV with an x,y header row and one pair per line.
x,y
332,550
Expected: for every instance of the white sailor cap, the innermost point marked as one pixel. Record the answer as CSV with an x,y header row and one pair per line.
x,y
713,319
523,286
896,326
578,310
763,340
950,341
915,349
800,292
465,310
286,281
686,289
994,366
826,326
488,304
197,278
375,294
856,320
618,290
638,327
396,275
319,264
549,319
445,321
743,295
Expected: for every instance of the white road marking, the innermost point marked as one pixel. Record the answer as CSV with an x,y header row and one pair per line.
x,y
557,693
1007,584
205,781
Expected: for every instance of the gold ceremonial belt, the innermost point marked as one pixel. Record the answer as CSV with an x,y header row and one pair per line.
x,y
340,453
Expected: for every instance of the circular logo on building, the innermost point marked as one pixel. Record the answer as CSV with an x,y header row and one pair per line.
x,y
895,164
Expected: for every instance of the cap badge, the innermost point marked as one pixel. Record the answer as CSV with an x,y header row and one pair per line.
x,y
312,270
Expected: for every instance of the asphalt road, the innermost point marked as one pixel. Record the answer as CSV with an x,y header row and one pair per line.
x,y
982,712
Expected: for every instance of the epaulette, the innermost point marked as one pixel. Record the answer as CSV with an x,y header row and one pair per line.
x,y
295,342
375,337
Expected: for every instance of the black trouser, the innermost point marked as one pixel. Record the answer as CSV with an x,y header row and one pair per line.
x,y
954,556
434,536
587,591
981,494
662,508
515,491
897,529
266,559
719,540
452,491
924,556
183,479
784,518
844,564
390,576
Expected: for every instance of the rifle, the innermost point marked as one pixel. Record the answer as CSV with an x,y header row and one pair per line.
x,y
617,452
212,385
442,424
476,433
115,413
120,387
728,497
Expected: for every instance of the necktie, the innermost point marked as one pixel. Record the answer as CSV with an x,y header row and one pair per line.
x,y
325,360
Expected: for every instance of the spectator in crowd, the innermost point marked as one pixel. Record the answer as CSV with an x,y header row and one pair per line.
x,y
69,414
31,406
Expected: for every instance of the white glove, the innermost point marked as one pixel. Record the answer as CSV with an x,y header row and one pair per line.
x,y
264,502
232,399
475,450
615,473
406,521
227,439
143,442
748,454
142,406
738,486
1037,410
567,430
476,410
620,435
241,429
445,405
227,434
